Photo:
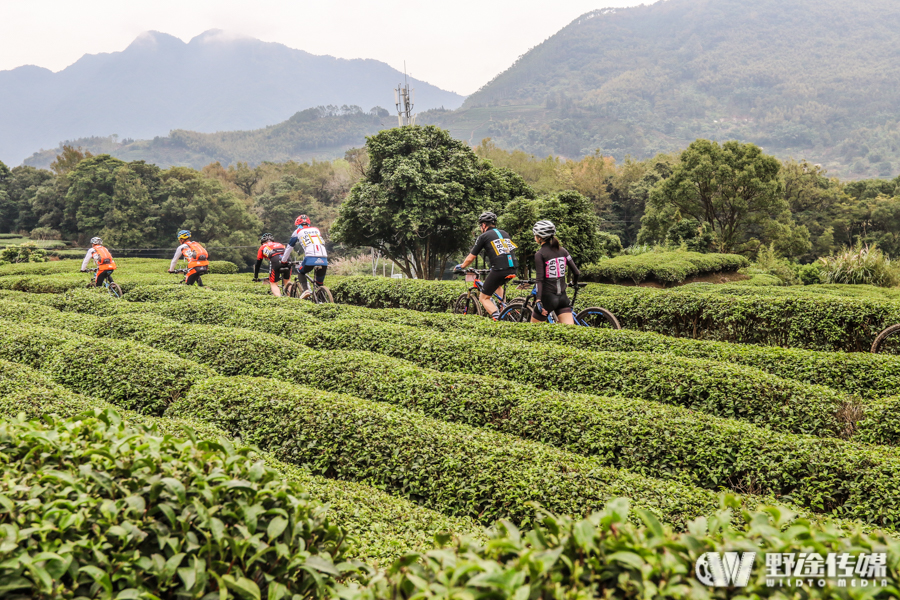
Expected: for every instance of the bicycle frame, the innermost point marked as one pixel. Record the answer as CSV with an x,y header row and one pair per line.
x,y
479,285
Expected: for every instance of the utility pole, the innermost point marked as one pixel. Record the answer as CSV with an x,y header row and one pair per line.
x,y
403,100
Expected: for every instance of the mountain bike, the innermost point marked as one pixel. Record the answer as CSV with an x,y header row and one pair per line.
x,y
468,303
320,293
595,316
888,341
112,287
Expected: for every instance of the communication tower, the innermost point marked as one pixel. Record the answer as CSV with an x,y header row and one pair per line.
x,y
404,97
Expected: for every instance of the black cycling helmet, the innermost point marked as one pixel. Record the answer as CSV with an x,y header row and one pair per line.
x,y
266,237
488,217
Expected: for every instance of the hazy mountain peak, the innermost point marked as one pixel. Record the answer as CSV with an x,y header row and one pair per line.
x,y
218,81
213,36
153,40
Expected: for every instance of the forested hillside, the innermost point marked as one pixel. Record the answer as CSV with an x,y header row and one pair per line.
x,y
325,132
811,79
215,82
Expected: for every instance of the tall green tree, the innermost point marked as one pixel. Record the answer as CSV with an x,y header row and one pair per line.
x,y
728,186
419,200
577,227
8,211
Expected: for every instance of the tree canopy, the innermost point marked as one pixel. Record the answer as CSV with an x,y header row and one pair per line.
x,y
420,197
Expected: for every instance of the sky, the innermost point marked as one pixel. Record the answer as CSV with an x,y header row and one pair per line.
x,y
458,45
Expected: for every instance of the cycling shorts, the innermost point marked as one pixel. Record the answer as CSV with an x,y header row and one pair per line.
x,y
558,303
495,279
277,271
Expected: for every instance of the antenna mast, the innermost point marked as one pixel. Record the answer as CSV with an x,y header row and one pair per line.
x,y
404,97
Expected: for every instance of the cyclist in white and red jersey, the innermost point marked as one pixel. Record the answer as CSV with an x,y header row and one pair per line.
x,y
271,250
314,254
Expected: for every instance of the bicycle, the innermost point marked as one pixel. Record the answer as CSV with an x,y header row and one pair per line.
x,y
468,303
183,280
320,293
112,287
888,341
594,316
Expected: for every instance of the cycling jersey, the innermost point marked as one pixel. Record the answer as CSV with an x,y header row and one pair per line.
x,y
101,256
272,251
196,255
550,266
500,248
311,240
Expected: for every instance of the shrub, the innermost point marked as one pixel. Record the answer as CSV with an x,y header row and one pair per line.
x,y
45,233
860,265
384,527
662,267
382,292
868,375
750,315
810,274
26,253
714,388
133,513
606,556
456,469
656,440
127,374
222,267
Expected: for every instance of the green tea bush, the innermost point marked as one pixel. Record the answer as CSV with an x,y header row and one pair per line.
x,y
456,469
664,267
606,556
750,315
383,292
94,509
384,527
127,374
865,374
715,388
668,442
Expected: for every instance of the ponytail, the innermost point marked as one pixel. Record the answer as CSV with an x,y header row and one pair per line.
x,y
554,243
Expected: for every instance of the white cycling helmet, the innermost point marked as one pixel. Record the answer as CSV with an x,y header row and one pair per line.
x,y
544,229
95,241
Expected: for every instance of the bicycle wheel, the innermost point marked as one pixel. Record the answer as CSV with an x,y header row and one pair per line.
x,y
513,311
596,316
323,295
888,341
115,291
467,305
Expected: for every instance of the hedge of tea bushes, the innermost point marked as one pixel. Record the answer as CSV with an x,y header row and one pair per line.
x,y
662,267
606,556
816,322
669,442
127,374
92,508
743,315
719,389
449,467
865,374
384,527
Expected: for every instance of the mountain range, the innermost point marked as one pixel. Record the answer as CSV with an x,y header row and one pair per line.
x,y
214,82
808,79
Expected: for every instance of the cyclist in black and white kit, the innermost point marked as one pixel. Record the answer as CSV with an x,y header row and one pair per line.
x,y
501,253
551,263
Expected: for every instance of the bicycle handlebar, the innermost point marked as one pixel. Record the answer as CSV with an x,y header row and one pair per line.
x,y
180,270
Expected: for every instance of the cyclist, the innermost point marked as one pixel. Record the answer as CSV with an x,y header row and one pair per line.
x,y
314,254
551,263
102,258
272,251
195,254
502,256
